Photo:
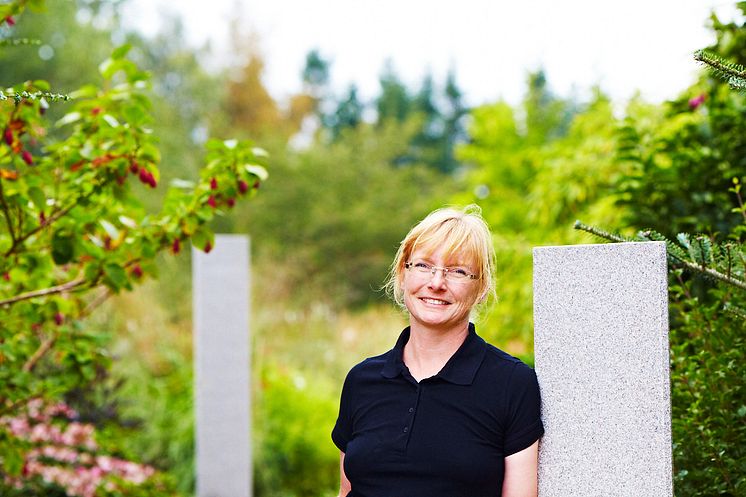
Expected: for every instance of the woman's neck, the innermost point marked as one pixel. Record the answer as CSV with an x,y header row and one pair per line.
x,y
428,350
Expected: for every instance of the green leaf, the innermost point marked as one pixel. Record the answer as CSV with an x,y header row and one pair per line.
x,y
110,229
259,152
86,91
258,171
121,51
62,247
182,183
115,276
111,120
42,85
202,237
69,119
37,196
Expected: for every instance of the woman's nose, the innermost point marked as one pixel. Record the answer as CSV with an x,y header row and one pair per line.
x,y
438,278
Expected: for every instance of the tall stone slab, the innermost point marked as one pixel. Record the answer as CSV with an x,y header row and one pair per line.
x,y
221,363
602,360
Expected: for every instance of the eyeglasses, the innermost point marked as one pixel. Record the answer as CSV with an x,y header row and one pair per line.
x,y
449,273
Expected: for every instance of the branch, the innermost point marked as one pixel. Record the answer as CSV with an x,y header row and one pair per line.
x,y
44,292
734,74
19,41
36,95
601,233
699,268
6,211
44,347
54,217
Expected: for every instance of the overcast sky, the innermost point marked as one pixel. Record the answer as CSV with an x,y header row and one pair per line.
x,y
623,45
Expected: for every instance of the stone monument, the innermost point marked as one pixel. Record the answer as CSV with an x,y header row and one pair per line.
x,y
602,360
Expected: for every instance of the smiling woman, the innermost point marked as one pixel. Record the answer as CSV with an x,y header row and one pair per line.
x,y
442,414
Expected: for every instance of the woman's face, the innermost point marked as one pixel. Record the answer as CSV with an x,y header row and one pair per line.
x,y
434,301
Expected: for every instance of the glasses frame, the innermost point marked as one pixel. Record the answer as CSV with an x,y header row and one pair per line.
x,y
446,270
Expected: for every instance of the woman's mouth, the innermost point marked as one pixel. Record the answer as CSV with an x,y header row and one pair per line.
x,y
434,301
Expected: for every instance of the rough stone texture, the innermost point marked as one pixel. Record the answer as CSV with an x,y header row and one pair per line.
x,y
221,355
602,359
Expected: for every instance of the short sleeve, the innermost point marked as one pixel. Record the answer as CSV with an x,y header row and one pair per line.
x,y
342,431
524,426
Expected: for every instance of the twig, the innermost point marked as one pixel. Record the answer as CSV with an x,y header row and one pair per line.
x,y
44,292
6,211
44,347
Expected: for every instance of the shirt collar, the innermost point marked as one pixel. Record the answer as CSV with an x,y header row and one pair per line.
x,y
460,368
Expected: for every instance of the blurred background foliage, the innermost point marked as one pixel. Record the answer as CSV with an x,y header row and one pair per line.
x,y
347,180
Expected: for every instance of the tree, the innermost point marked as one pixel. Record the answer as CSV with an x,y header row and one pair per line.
x,y
73,232
683,185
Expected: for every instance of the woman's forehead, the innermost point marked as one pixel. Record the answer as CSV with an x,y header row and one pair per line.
x,y
449,257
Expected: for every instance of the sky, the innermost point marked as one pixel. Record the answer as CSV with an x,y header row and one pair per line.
x,y
624,46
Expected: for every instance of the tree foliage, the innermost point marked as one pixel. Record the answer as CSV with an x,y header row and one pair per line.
x,y
73,231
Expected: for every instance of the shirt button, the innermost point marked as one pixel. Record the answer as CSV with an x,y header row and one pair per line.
x,y
411,409
406,429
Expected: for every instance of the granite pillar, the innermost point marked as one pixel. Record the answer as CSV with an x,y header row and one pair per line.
x,y
221,363
602,360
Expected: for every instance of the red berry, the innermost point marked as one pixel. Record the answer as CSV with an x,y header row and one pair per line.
x,y
176,246
42,218
10,21
147,177
6,276
8,135
134,168
231,202
243,186
96,111
59,318
208,248
211,201
256,185
137,271
213,184
27,157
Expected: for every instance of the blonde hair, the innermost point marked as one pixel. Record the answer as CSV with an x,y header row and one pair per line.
x,y
462,233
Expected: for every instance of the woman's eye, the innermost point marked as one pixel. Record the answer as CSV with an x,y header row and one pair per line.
x,y
421,265
458,271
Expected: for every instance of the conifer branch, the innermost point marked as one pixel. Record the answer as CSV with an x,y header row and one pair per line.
x,y
37,95
698,259
612,237
734,74
14,42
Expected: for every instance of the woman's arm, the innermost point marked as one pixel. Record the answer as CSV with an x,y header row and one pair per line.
x,y
521,473
344,483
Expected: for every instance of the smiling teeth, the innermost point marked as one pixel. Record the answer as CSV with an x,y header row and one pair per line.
x,y
434,301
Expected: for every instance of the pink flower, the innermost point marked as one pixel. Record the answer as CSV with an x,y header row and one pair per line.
x,y
695,102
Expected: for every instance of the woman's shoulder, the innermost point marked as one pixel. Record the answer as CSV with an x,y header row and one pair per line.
x,y
370,364
507,365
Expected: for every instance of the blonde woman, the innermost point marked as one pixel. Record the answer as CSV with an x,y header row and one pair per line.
x,y
443,413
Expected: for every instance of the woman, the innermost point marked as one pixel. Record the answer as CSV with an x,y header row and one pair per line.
x,y
442,414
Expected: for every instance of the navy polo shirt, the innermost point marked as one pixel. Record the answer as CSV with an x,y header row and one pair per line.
x,y
446,436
